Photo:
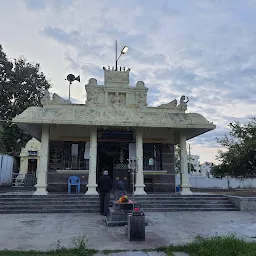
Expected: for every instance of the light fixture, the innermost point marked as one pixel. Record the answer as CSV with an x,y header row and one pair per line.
x,y
124,50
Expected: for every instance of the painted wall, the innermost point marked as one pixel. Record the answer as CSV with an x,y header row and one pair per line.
x,y
6,168
32,145
225,183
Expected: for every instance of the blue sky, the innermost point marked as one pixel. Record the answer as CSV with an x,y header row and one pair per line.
x,y
205,49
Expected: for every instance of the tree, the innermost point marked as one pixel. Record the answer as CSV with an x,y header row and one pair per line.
x,y
2,147
192,167
5,85
5,94
177,160
239,157
21,86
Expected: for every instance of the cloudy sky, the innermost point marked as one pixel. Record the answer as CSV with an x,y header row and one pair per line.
x,y
205,49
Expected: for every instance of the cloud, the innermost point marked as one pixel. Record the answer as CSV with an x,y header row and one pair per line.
x,y
58,34
204,49
35,5
42,4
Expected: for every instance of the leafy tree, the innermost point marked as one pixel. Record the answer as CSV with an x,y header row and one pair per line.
x,y
239,157
21,86
5,95
2,147
5,85
177,160
192,167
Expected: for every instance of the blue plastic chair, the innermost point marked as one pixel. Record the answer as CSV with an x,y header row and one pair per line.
x,y
74,181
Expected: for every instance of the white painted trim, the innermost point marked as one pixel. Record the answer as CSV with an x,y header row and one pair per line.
x,y
72,171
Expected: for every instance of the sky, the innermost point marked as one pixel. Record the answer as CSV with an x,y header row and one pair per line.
x,y
204,49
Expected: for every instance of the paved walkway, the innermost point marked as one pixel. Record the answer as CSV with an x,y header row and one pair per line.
x,y
46,231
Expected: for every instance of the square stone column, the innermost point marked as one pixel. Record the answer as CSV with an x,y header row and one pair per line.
x,y
139,186
184,182
92,164
41,186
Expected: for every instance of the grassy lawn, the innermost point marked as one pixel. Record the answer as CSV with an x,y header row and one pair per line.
x,y
61,252
216,246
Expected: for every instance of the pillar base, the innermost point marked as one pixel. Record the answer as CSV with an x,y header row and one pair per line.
x,y
185,190
40,191
139,191
91,191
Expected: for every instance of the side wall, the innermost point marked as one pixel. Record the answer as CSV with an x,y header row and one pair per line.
x,y
224,183
244,203
158,181
58,182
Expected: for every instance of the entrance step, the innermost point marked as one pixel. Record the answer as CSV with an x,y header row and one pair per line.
x,y
64,203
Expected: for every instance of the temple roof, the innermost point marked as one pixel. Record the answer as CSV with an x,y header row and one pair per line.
x,y
114,104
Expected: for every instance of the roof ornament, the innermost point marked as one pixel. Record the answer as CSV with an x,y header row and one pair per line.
x,y
71,78
183,103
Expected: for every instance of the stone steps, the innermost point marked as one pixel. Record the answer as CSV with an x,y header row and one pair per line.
x,y
146,206
45,206
178,195
54,203
96,202
32,200
49,210
178,198
17,201
178,209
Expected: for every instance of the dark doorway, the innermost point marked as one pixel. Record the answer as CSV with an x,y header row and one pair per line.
x,y
32,165
113,156
105,161
30,177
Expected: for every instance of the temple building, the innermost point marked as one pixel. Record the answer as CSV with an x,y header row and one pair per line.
x,y
115,124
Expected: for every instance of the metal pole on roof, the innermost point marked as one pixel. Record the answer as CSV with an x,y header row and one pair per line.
x,y
116,55
189,155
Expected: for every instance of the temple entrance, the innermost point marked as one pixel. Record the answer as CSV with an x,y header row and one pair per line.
x,y
113,157
32,165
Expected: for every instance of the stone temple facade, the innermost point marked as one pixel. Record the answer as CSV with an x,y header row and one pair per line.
x,y
114,124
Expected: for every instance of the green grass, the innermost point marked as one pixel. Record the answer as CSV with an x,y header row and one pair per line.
x,y
215,246
79,249
60,252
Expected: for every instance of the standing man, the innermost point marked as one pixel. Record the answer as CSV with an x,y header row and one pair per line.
x,y
105,185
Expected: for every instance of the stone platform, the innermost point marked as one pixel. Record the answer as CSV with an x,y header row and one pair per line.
x,y
118,215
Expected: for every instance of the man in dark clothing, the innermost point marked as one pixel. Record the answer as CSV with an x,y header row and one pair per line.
x,y
105,185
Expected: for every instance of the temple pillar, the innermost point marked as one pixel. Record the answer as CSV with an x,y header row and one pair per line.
x,y
92,164
41,186
139,186
184,182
